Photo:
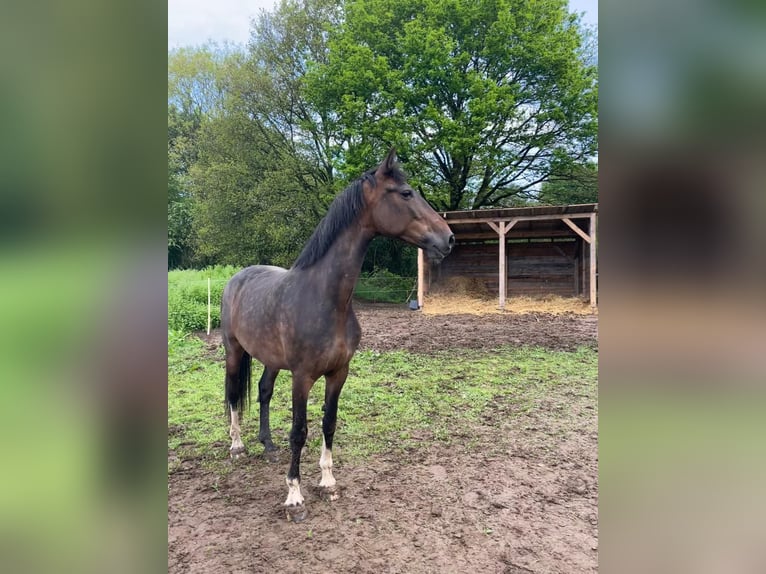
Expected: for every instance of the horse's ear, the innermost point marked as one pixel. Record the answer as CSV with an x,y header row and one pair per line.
x,y
390,162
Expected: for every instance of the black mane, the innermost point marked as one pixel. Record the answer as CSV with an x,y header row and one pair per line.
x,y
343,210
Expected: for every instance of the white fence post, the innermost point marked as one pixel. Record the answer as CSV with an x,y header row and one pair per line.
x,y
208,305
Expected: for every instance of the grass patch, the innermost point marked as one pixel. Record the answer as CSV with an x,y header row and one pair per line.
x,y
187,296
391,401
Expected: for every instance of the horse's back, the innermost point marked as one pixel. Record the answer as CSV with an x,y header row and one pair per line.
x,y
257,277
248,298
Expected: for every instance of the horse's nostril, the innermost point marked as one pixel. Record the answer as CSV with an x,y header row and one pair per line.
x,y
451,241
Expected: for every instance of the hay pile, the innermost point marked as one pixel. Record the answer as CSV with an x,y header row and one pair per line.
x,y
469,286
469,295
446,304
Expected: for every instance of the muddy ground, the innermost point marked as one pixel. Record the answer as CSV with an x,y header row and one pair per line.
x,y
523,500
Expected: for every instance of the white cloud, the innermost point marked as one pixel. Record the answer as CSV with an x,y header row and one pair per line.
x,y
194,22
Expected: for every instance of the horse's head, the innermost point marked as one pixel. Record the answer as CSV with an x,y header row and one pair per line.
x,y
397,210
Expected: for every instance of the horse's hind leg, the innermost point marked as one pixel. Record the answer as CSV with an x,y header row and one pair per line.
x,y
237,389
334,385
265,391
237,448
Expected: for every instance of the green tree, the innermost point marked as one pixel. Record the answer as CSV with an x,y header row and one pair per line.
x,y
283,45
481,96
180,248
484,100
251,201
576,184
194,96
195,86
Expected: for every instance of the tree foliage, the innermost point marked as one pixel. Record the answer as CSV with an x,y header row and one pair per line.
x,y
483,97
283,45
251,200
485,101
576,184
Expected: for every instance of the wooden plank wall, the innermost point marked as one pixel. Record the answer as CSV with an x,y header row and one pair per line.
x,y
534,268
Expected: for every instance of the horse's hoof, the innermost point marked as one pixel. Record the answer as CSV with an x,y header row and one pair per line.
x,y
330,494
296,512
237,452
271,455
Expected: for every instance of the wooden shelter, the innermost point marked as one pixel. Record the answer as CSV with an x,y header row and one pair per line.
x,y
520,251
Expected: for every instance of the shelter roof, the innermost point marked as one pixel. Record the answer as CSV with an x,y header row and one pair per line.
x,y
513,212
530,222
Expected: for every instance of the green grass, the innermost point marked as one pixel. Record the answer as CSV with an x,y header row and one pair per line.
x,y
390,402
187,297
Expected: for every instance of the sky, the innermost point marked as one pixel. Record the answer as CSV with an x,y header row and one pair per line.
x,y
194,22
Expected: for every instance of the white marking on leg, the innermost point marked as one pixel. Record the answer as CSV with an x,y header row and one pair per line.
x,y
294,496
325,463
234,431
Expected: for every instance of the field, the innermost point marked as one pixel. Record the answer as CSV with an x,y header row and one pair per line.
x,y
465,443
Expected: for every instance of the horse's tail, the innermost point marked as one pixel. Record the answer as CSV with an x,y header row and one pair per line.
x,y
245,380
241,394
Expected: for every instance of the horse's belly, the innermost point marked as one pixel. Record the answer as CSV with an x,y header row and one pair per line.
x,y
319,356
314,347
266,349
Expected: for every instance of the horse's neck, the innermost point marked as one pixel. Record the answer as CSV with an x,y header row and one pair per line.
x,y
338,271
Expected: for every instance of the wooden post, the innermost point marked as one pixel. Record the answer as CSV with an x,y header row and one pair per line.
x,y
592,260
208,305
502,271
501,228
421,277
577,276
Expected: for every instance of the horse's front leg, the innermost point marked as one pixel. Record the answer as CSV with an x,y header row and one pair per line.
x,y
334,385
294,505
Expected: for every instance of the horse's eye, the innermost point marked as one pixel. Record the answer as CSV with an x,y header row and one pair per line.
x,y
406,194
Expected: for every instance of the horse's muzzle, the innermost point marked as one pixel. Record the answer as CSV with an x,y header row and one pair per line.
x,y
437,248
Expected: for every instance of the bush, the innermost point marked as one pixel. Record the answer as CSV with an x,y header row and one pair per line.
x,y
187,297
383,286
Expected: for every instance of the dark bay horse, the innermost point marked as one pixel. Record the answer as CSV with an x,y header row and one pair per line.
x,y
301,319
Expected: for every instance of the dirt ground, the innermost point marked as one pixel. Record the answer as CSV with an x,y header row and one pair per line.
x,y
389,327
521,498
